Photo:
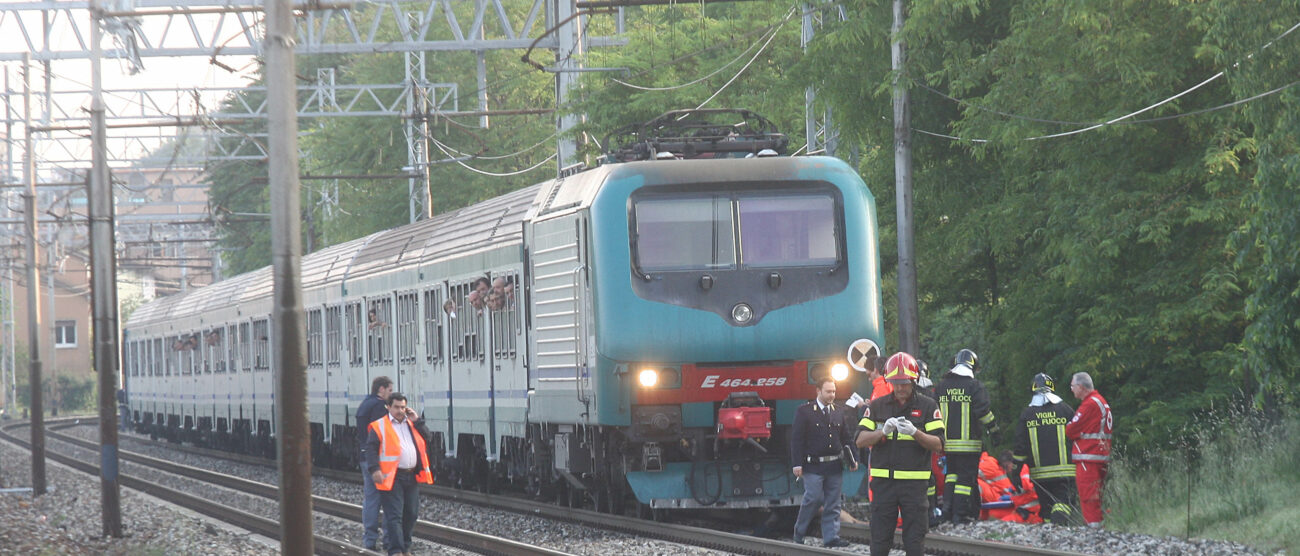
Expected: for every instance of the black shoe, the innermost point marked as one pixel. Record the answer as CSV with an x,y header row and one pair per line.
x,y
837,543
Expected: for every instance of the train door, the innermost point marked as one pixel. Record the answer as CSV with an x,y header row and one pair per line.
x,y
469,382
406,320
380,341
230,388
262,387
434,386
504,309
317,386
336,384
557,297
356,379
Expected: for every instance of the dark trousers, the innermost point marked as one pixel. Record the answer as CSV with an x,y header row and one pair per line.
x,y
963,468
1056,499
401,507
889,498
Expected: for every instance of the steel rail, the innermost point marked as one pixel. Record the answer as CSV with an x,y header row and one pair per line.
x,y
258,525
440,534
685,534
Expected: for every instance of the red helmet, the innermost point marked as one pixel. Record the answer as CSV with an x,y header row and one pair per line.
x,y
901,367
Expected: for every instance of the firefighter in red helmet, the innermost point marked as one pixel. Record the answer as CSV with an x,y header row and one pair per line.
x,y
903,429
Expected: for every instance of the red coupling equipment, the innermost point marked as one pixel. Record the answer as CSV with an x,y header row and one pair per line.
x,y
743,415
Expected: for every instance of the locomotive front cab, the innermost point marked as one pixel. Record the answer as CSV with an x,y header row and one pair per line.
x,y
723,290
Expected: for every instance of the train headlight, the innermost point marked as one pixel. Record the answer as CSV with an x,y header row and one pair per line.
x,y
648,377
839,371
742,313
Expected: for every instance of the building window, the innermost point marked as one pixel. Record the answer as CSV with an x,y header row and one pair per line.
x,y
65,333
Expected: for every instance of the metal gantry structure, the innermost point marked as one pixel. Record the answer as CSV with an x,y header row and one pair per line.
x,y
216,30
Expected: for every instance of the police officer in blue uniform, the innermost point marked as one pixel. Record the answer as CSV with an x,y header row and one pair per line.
x,y
819,447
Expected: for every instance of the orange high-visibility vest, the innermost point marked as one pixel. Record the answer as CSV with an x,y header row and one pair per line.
x,y
390,449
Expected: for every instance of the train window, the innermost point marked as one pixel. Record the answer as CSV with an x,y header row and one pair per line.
x,y
433,306
789,230
261,345
505,315
408,307
685,234
333,335
379,330
157,359
353,314
315,349
173,355
467,328
214,356
232,347
245,347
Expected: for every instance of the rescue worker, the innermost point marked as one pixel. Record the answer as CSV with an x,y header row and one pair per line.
x,y
819,443
1041,443
1090,433
903,429
967,416
1025,499
369,410
996,489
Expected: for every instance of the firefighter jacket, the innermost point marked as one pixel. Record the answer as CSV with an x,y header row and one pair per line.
x,y
1090,429
820,439
880,387
900,456
966,411
384,449
1041,440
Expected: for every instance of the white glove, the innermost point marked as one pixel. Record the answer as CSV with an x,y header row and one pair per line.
x,y
905,427
890,426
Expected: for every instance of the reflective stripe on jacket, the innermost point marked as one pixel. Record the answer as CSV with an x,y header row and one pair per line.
x,y
900,456
390,450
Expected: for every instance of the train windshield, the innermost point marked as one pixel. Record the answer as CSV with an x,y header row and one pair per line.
x,y
725,231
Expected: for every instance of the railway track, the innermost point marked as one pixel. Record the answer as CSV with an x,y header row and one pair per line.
x,y
684,534
258,525
432,532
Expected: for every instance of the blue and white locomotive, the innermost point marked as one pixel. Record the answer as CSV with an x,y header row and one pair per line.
x,y
638,332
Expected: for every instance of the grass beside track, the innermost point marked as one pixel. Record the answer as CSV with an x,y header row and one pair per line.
x,y
1236,479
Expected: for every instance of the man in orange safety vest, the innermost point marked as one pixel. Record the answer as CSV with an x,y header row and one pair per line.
x,y
395,450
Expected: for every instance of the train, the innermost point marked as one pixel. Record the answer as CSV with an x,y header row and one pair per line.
x,y
639,332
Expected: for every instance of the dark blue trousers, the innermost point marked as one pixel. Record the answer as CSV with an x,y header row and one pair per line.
x,y
401,508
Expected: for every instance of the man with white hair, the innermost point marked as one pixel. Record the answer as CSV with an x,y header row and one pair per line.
x,y
1090,433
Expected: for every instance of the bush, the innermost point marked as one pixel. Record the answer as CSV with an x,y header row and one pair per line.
x,y
1234,478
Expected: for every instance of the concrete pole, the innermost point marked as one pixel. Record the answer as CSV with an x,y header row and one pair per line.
x,y
290,359
103,292
908,313
566,78
33,287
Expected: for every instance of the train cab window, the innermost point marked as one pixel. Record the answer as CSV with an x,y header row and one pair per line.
x,y
315,348
434,306
333,335
353,317
685,234
729,230
790,230
261,345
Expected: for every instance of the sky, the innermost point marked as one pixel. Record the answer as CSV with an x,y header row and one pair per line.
x,y
169,82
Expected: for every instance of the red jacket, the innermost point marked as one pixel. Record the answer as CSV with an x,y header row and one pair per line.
x,y
880,387
1090,429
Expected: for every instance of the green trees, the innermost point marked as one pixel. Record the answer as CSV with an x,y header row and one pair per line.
x,y
1147,252
1084,200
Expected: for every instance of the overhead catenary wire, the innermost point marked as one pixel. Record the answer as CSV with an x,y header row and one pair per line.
x,y
444,150
1120,120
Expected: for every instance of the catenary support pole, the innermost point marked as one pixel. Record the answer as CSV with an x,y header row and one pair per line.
x,y
33,287
908,314
103,284
290,360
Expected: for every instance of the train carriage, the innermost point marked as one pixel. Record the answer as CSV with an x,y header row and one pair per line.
x,y
639,332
